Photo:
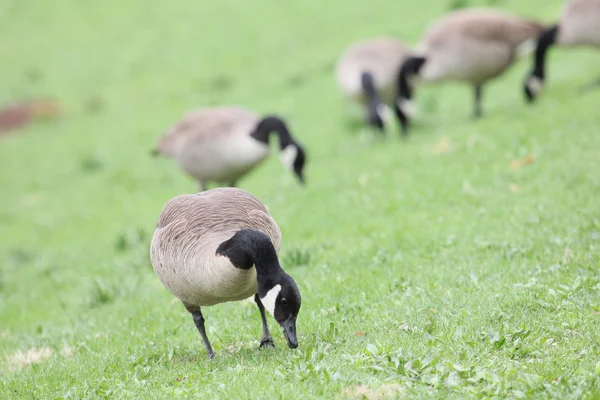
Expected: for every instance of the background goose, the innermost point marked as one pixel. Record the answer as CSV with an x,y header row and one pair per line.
x,y
221,245
366,72
472,46
222,144
579,25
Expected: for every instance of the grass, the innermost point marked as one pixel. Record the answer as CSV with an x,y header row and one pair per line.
x,y
428,268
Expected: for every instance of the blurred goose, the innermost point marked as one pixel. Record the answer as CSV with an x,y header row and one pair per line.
x,y
222,144
221,245
472,46
366,72
579,25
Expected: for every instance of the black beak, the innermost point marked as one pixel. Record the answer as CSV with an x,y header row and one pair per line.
x,y
289,331
377,124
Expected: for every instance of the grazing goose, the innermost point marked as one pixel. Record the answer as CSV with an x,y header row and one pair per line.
x,y
579,25
221,245
222,144
472,46
366,73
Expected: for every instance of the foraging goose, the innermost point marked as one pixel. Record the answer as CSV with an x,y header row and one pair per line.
x,y
366,72
222,144
221,245
472,46
579,25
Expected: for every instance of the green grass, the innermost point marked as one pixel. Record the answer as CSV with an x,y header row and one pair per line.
x,y
469,278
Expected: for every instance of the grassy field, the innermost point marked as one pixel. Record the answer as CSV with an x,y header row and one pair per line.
x,y
438,267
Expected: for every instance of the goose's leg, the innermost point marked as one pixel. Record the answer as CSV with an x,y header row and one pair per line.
x,y
233,183
201,186
266,340
199,322
477,113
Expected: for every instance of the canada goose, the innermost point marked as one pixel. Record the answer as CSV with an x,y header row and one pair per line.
x,y
579,25
222,144
472,45
366,72
221,245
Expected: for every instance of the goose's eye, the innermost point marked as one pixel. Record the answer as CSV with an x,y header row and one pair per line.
x,y
284,301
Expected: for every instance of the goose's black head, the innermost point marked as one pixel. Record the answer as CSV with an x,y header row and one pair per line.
x,y
375,117
292,154
282,300
532,87
293,158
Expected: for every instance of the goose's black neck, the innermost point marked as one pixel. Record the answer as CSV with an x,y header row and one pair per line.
x,y
272,124
368,86
250,247
546,39
410,67
373,100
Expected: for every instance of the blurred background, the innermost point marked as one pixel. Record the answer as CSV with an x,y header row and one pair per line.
x,y
88,87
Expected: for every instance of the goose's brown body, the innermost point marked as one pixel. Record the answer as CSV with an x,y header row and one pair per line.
x,y
214,144
188,232
579,23
473,45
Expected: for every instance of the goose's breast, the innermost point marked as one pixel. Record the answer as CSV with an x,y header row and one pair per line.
x,y
222,158
205,281
466,60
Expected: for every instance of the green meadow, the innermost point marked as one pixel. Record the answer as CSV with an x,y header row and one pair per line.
x,y
459,263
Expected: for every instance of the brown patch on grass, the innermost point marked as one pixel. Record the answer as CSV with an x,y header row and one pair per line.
x,y
18,115
20,360
522,162
388,391
67,351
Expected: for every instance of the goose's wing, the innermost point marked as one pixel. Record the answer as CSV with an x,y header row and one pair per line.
x,y
193,225
206,124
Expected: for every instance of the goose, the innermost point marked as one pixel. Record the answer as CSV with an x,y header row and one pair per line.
x,y
471,45
222,144
221,245
579,25
366,71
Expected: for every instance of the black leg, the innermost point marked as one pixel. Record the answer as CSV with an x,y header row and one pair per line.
x,y
232,183
201,186
199,322
477,113
266,340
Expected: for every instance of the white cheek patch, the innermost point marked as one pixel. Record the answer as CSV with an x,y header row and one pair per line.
x,y
269,300
406,106
535,85
526,48
288,156
384,112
